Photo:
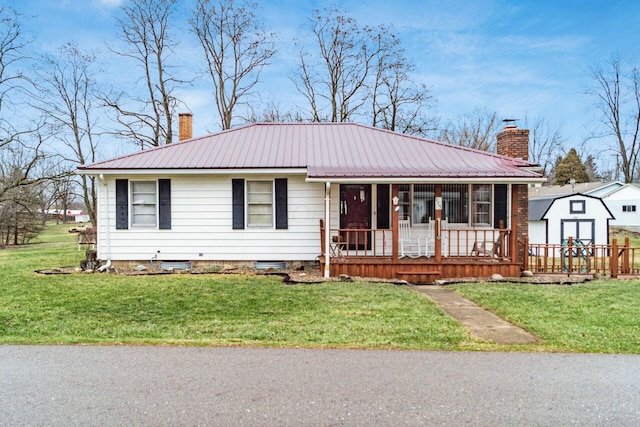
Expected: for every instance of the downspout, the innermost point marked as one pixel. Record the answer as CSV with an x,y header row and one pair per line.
x,y
106,221
327,227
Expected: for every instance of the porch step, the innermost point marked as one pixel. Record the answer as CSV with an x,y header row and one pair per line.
x,y
419,277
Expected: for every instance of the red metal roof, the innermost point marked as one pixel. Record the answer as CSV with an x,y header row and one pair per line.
x,y
325,150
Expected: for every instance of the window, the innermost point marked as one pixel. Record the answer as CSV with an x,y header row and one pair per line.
x,y
259,203
404,194
577,206
424,196
481,194
143,203
628,208
148,203
417,201
455,203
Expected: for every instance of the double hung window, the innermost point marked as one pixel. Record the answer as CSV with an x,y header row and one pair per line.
x,y
259,203
143,203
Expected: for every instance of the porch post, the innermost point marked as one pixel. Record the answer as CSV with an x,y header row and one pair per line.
x,y
327,228
394,223
513,238
437,230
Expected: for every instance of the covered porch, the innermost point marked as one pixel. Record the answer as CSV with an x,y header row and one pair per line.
x,y
465,230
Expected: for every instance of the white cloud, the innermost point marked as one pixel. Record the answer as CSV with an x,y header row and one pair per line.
x,y
111,3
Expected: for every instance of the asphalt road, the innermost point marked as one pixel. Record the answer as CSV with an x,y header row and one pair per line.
x,y
104,386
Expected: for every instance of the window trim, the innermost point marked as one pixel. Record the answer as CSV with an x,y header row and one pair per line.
x,y
577,206
132,224
272,204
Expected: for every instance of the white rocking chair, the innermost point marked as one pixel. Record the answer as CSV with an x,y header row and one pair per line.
x,y
409,246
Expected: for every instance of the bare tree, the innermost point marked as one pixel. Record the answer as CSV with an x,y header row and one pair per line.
x,y
273,113
236,48
545,143
617,99
70,103
476,129
21,143
146,117
398,103
334,76
12,80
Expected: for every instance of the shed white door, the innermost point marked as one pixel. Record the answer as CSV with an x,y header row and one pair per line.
x,y
579,229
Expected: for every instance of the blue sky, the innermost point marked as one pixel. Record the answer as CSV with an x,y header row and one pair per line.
x,y
518,58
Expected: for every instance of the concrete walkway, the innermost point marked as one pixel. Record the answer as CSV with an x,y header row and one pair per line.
x,y
481,323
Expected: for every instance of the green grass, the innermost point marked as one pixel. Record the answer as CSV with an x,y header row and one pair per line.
x,y
594,317
246,310
184,309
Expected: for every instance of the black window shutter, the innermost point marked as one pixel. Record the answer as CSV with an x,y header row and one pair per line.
x,y
164,208
237,190
282,214
122,204
383,206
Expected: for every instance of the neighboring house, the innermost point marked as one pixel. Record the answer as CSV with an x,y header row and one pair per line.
x,y
331,193
622,200
555,219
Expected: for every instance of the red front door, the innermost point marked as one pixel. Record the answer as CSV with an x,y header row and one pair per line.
x,y
355,213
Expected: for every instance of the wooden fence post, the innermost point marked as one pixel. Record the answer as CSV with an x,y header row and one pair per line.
x,y
613,259
625,256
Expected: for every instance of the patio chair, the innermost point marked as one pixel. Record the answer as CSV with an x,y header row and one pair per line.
x,y
481,248
409,245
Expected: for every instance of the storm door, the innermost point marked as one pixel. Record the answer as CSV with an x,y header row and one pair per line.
x,y
355,213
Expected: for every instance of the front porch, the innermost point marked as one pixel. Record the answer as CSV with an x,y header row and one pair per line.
x,y
431,254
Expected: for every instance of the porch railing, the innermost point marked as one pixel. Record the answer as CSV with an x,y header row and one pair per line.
x,y
576,257
464,243
476,242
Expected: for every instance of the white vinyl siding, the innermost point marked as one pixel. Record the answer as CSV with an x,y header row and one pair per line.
x,y
143,203
201,224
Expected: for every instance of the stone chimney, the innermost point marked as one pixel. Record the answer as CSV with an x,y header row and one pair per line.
x,y
185,126
514,142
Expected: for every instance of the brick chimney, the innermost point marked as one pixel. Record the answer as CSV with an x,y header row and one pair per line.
x,y
514,142
185,126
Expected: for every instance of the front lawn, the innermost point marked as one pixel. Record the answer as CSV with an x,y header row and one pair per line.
x,y
594,317
187,309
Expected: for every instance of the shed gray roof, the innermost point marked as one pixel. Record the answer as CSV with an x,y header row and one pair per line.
x,y
325,150
539,206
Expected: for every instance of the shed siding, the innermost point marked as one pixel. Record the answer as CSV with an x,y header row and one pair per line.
x,y
201,228
594,209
